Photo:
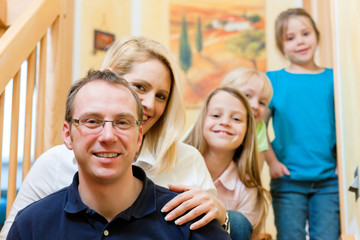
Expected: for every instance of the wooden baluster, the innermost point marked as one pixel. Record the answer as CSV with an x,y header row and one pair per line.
x,y
11,193
28,114
2,101
40,89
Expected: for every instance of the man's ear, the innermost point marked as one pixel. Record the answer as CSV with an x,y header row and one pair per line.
x,y
139,139
66,135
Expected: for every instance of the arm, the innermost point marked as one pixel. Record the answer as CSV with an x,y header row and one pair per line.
x,y
195,202
51,171
277,169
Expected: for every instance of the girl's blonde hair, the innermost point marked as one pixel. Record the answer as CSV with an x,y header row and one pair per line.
x,y
242,75
161,140
245,157
281,24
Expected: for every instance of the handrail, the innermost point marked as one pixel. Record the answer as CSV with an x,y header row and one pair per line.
x,y
21,38
3,13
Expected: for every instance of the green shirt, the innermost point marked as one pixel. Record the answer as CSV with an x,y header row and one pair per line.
x,y
261,136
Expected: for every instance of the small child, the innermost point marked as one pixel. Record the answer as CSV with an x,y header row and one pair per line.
x,y
225,135
257,88
304,183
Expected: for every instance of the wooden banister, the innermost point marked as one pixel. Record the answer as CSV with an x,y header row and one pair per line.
x,y
42,36
21,38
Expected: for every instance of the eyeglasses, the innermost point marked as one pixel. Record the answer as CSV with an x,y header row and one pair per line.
x,y
96,125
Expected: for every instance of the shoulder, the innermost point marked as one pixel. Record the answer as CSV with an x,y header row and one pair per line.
x,y
44,209
163,195
329,72
213,230
58,154
54,168
191,168
186,147
275,76
260,126
275,72
188,155
39,217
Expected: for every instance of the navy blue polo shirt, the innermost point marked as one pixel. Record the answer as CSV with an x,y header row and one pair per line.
x,y
62,215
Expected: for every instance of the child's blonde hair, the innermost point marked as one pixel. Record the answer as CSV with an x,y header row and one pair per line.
x,y
161,140
245,157
243,75
281,24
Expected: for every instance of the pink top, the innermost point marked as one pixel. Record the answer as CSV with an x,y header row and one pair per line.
x,y
235,195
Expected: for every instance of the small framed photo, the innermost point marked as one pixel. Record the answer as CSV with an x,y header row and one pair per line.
x,y
103,40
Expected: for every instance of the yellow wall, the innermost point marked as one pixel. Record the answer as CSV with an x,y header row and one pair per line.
x,y
111,16
347,34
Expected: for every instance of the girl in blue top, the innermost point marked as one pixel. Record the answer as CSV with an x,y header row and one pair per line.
x,y
301,158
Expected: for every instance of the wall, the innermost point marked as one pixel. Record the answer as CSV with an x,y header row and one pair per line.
x,y
111,16
346,20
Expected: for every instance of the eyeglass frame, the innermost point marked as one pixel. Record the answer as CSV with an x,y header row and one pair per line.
x,y
132,122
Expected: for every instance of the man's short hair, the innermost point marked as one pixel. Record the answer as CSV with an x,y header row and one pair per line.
x,y
97,75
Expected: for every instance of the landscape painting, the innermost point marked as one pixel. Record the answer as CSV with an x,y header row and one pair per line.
x,y
209,38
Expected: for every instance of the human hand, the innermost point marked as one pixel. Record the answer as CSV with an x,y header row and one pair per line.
x,y
194,202
277,169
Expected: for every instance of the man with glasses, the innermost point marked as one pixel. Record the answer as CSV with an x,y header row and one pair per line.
x,y
109,198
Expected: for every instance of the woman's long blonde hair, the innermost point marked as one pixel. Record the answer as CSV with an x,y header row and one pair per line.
x,y
162,138
245,157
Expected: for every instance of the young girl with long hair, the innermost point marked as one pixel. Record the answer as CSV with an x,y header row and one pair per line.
x,y
257,88
224,133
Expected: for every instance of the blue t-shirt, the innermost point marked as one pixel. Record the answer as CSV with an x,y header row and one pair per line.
x,y
62,215
304,123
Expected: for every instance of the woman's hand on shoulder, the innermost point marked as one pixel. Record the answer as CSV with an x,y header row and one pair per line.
x,y
194,202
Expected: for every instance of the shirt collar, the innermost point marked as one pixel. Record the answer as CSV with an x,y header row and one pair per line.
x,y
143,205
74,203
229,177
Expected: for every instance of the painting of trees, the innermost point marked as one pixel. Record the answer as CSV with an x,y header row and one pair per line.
x,y
198,35
185,50
210,38
249,43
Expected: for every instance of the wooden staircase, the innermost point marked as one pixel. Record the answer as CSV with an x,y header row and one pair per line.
x,y
40,33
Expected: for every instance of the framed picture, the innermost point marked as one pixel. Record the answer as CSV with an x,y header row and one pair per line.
x,y
102,40
209,38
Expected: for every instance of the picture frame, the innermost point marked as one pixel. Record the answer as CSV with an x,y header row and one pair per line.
x,y
102,40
